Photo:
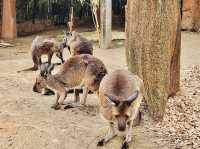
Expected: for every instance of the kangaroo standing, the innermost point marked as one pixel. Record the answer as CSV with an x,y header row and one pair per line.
x,y
78,71
78,44
120,95
46,46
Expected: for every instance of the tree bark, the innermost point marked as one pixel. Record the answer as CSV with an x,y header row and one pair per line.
x,y
175,61
153,49
9,30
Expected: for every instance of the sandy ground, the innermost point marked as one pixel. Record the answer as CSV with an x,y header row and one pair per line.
x,y
28,122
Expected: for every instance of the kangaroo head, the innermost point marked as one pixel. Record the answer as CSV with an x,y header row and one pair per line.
x,y
40,82
68,38
122,109
66,34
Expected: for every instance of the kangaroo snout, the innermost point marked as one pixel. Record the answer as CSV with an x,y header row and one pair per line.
x,y
121,124
35,88
121,127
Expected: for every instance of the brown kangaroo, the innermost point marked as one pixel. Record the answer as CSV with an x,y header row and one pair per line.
x,y
78,44
78,71
45,46
120,95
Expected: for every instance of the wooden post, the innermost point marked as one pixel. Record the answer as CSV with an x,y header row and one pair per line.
x,y
71,22
106,23
9,29
96,21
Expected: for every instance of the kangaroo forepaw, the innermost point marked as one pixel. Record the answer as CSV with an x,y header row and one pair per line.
x,y
72,105
68,106
125,145
53,106
101,142
56,106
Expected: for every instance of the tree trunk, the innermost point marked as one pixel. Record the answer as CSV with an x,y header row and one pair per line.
x,y
9,30
152,48
175,61
106,23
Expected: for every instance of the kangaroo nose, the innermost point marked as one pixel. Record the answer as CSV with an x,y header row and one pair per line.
x,y
35,88
121,128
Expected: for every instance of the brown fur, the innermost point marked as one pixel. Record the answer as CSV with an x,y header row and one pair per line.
x,y
120,84
78,44
44,46
118,92
81,70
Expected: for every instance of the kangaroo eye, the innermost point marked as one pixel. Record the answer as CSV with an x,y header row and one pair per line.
x,y
116,116
127,116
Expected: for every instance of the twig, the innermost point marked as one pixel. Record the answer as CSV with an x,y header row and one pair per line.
x,y
4,44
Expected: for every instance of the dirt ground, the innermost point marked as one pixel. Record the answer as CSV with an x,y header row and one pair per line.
x,y
28,122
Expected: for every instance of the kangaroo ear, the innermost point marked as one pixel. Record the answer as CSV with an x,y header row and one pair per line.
x,y
65,32
112,99
84,61
50,68
68,47
132,97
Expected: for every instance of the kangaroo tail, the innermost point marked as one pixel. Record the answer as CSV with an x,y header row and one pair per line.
x,y
28,69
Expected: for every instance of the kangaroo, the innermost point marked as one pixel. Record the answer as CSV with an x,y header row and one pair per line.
x,y
78,44
78,71
120,95
45,46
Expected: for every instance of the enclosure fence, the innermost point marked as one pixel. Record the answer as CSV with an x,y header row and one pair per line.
x,y
58,11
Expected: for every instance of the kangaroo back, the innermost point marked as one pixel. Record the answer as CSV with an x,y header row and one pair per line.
x,y
81,71
79,44
84,69
120,83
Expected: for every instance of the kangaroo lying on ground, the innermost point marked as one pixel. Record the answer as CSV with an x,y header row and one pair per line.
x,y
45,46
78,44
78,71
120,95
